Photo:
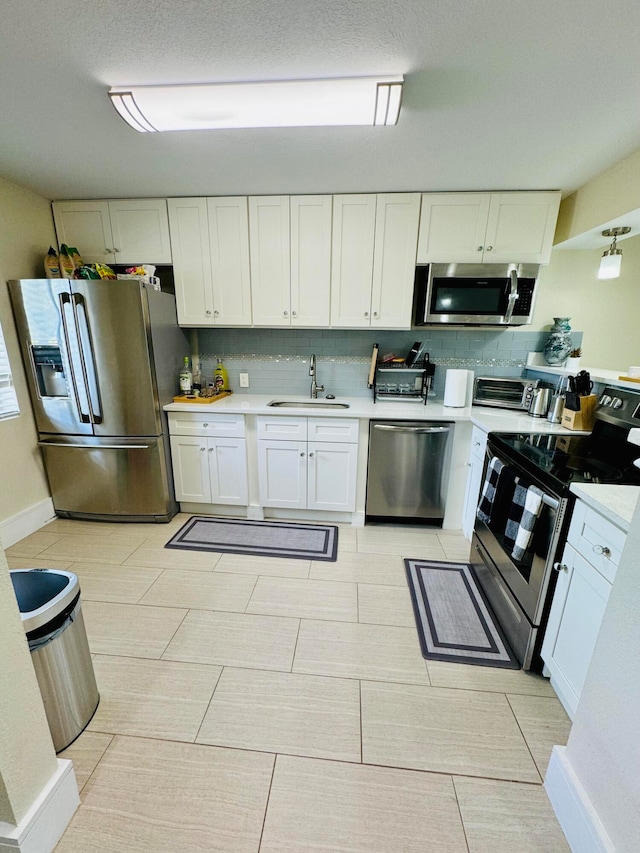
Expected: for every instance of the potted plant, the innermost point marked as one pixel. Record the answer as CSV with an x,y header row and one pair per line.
x,y
573,359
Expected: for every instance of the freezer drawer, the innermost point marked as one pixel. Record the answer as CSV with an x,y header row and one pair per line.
x,y
116,479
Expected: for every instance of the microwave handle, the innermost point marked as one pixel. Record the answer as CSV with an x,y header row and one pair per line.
x,y
512,297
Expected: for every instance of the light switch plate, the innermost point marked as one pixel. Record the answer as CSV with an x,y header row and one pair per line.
x,y
244,380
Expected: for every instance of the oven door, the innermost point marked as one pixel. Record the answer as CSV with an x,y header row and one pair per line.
x,y
528,578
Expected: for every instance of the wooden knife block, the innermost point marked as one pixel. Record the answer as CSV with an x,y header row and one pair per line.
x,y
584,418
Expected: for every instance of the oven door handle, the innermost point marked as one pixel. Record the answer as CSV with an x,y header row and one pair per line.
x,y
551,502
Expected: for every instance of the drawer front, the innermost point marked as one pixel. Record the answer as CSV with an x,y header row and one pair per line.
x,y
333,429
597,539
282,428
206,424
478,443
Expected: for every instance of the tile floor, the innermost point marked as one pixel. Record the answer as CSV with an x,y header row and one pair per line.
x,y
257,704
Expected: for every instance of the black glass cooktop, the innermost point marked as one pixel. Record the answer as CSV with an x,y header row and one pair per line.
x,y
602,457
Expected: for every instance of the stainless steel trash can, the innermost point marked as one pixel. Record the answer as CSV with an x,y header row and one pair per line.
x,y
49,603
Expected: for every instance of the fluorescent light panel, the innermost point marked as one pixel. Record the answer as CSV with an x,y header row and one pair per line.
x,y
285,103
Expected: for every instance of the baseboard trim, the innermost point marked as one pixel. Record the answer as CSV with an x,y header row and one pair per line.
x,y
41,828
23,523
576,815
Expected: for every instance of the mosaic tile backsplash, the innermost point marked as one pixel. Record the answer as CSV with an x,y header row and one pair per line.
x,y
277,360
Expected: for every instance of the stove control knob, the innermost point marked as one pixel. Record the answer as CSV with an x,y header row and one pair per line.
x,y
605,400
616,403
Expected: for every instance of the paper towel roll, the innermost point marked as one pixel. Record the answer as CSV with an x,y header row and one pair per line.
x,y
455,388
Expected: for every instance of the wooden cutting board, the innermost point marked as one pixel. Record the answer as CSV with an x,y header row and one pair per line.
x,y
185,399
630,378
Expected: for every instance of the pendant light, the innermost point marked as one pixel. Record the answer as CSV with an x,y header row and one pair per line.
x,y
611,260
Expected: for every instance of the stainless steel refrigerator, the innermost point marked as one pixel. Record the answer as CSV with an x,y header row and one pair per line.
x,y
102,358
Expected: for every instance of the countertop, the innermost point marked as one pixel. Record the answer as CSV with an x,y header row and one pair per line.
x,y
485,417
616,503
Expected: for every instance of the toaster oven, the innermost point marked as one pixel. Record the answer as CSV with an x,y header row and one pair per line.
x,y
508,392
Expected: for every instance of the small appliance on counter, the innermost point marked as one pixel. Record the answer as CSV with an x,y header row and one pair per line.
x,y
540,401
508,392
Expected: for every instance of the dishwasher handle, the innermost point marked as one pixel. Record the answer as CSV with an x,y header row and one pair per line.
x,y
428,430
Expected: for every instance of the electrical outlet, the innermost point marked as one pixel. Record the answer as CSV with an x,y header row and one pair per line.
x,y
244,380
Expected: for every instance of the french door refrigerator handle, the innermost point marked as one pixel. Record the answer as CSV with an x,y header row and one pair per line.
x,y
66,298
88,370
94,446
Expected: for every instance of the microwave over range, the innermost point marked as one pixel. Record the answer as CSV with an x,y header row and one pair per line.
x,y
476,294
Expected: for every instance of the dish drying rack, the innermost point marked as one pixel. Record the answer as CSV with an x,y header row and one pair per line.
x,y
403,383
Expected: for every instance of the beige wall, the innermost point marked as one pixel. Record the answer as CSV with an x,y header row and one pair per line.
x,y
26,233
27,757
607,312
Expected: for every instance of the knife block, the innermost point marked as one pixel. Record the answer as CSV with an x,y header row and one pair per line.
x,y
584,418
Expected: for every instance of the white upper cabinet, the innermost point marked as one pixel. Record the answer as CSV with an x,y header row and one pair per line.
x,y
124,231
210,242
374,257
511,227
394,259
270,260
310,260
290,239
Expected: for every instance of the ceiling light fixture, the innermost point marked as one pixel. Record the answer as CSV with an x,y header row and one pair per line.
x,y
283,103
611,259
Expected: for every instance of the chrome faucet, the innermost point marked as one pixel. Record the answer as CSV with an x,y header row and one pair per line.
x,y
312,373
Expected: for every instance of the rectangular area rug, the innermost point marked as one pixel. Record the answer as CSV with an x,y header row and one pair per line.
x,y
454,620
259,538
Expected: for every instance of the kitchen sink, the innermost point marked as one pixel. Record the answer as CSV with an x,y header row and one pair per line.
x,y
306,404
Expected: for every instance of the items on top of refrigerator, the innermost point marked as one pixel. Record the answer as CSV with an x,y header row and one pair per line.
x,y
52,264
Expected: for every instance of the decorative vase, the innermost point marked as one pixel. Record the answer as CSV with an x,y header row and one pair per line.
x,y
558,344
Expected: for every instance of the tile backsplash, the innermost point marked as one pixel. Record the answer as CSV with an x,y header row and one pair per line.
x,y
277,360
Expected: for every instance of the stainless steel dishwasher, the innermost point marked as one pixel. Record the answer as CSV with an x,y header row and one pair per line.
x,y
408,470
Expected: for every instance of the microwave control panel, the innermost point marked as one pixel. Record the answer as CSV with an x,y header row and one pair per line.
x,y
525,296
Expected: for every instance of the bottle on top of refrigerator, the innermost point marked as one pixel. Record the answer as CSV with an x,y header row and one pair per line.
x,y
52,264
67,265
186,377
221,377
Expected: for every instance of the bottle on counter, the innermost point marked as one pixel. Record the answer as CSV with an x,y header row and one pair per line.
x,y
186,377
221,377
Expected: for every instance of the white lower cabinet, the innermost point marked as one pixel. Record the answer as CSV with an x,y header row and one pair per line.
x,y
585,576
296,471
209,458
474,480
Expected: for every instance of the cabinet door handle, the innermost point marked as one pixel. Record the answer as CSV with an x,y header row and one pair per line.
x,y
480,248
216,313
366,313
115,249
202,449
108,251
208,313
285,313
561,567
375,313
294,313
301,454
601,549
489,249
311,456
477,443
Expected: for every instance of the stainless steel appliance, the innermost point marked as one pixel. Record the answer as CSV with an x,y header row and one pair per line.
x,y
476,294
101,359
408,470
520,590
540,402
504,392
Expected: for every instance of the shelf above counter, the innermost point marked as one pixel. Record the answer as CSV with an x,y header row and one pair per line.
x,y
536,362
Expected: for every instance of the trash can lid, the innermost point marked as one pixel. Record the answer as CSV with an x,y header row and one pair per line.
x,y
42,594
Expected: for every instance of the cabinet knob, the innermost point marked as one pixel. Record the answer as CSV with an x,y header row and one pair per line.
x,y
311,456
477,443
375,313
601,549
285,313
366,313
489,248
560,567
208,313
202,449
480,248
108,251
302,454
211,450
115,249
205,425
294,313
216,313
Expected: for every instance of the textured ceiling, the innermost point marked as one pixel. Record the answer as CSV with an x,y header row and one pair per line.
x,y
499,94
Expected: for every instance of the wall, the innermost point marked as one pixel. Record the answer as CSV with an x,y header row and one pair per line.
x,y
25,235
604,745
277,360
606,312
27,758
